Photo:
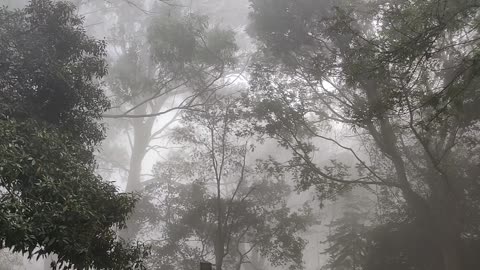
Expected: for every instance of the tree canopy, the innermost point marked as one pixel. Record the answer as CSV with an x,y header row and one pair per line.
x,y
50,106
212,203
402,76
375,98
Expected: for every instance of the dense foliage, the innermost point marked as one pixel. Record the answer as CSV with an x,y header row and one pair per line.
x,y
388,88
403,77
52,202
166,63
213,204
348,236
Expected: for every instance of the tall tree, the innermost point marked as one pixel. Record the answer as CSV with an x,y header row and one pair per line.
x,y
213,204
183,58
163,64
347,239
402,75
50,106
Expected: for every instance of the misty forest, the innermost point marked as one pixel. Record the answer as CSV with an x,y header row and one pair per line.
x,y
240,134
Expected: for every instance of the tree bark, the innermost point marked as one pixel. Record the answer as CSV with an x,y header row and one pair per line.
x,y
440,211
139,150
220,243
449,231
450,254
141,140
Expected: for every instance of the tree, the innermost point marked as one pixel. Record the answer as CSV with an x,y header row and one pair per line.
x,y
212,204
184,58
50,106
163,64
402,76
399,246
349,241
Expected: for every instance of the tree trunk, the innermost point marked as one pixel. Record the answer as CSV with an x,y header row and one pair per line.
x,y
219,250
449,230
220,241
141,140
451,256
440,211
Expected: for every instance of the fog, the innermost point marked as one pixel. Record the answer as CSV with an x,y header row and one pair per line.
x,y
240,134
